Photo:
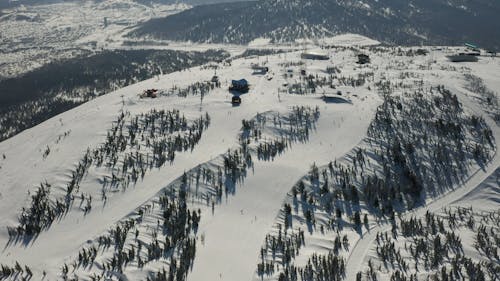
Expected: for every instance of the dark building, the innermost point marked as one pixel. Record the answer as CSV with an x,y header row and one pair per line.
x,y
363,59
236,100
239,85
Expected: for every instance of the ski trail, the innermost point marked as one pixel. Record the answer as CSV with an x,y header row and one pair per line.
x,y
234,234
357,256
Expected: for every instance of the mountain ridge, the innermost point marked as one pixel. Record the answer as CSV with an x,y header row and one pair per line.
x,y
409,23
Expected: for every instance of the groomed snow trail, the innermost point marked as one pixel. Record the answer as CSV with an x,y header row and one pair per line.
x,y
234,235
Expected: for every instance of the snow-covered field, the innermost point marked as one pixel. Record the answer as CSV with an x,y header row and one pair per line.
x,y
113,224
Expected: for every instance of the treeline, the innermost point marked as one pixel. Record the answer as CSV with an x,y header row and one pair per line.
x,y
259,53
15,272
52,89
17,118
327,267
419,145
196,89
425,144
285,245
396,51
486,97
431,246
310,84
133,146
285,129
163,231
279,251
171,240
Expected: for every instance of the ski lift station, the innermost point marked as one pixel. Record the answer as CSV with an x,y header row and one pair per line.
x,y
257,68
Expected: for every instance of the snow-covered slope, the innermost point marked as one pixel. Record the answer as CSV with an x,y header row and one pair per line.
x,y
189,185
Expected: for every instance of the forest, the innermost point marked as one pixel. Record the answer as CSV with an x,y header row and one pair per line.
x,y
407,157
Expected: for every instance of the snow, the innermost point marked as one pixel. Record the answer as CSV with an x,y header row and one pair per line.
x,y
349,40
485,195
259,42
235,232
480,190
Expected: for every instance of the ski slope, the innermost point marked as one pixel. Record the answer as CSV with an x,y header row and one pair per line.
x,y
228,239
252,210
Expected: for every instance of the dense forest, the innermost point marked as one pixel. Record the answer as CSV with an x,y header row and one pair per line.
x,y
401,23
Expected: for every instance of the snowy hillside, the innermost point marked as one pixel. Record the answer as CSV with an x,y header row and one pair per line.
x,y
327,170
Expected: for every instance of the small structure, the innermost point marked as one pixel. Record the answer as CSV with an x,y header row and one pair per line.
x,y
421,52
335,99
259,68
149,93
314,55
363,59
239,86
492,53
464,57
472,47
236,100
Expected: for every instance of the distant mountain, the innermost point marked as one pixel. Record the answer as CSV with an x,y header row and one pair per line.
x,y
446,22
5,4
